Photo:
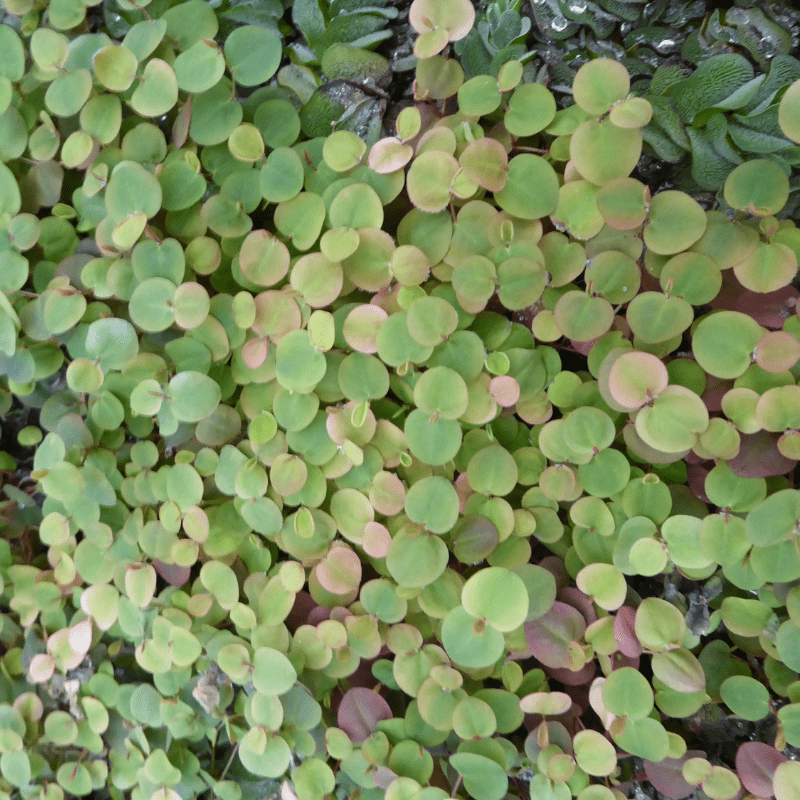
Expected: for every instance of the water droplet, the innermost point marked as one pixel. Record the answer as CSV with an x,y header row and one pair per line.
x,y
577,7
559,23
665,44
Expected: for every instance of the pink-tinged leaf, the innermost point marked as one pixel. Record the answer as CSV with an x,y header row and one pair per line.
x,y
680,670
388,155
667,775
504,390
546,703
549,637
759,457
80,636
596,702
625,633
578,600
254,352
180,128
41,668
485,162
359,713
756,763
382,777
376,539
777,351
340,571
172,573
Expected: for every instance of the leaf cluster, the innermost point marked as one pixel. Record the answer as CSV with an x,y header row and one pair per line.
x,y
321,506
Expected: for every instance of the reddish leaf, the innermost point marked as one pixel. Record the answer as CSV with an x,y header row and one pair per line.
x,y
360,711
625,633
382,777
756,763
172,573
667,775
577,599
549,636
759,457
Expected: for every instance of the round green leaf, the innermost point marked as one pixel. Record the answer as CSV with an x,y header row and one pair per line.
x,y
151,305
768,268
273,673
16,768
594,753
157,92
746,697
278,122
200,67
623,203
356,206
581,317
646,738
342,150
470,643
492,471
531,189
66,95
416,559
433,503
604,583
599,84
281,178
193,396
115,67
214,114
758,186
479,96
675,222
440,391
655,318
265,754
300,365
12,57
691,276
498,596
132,189
482,776
432,441
253,54
74,778
431,320
786,780
723,343
429,180
530,110
627,693
674,420
602,152
659,625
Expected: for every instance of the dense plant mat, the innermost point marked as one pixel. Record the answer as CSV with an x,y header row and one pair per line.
x,y
453,460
